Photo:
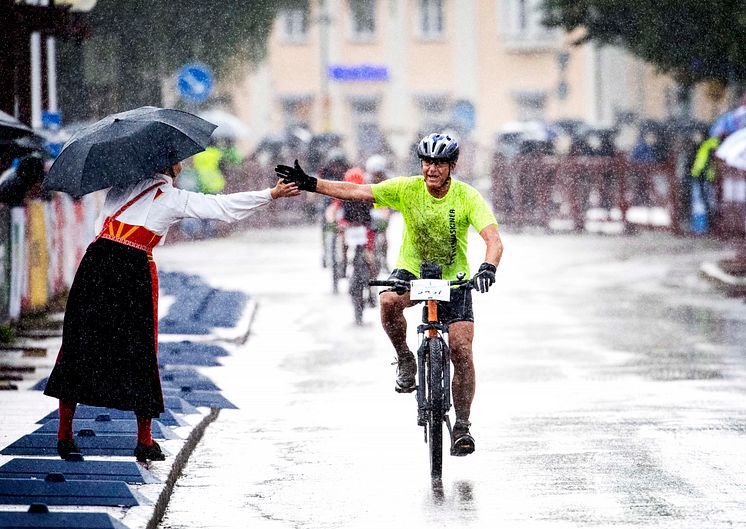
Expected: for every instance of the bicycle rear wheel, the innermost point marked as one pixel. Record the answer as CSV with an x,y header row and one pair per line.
x,y
338,262
359,282
437,411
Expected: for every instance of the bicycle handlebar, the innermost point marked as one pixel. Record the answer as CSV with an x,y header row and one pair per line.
x,y
400,283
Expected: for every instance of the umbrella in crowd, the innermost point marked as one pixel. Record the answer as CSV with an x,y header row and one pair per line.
x,y
729,122
229,126
11,128
733,149
127,147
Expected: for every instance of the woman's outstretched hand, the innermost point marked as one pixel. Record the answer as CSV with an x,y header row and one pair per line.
x,y
283,190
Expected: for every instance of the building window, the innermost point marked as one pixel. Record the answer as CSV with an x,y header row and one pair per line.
x,y
363,19
365,120
431,18
530,104
294,22
522,26
434,111
296,110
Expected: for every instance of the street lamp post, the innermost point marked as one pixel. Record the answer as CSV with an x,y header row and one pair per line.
x,y
74,6
22,85
324,24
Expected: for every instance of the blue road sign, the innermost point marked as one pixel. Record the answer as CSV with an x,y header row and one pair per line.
x,y
195,82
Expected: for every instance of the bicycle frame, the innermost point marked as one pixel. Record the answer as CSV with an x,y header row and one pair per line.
x,y
431,328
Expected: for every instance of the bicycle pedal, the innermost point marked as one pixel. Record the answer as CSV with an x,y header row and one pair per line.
x,y
463,446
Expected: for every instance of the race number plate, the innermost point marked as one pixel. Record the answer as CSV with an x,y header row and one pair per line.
x,y
356,236
423,289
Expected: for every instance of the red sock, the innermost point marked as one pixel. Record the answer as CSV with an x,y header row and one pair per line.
x,y
144,432
67,412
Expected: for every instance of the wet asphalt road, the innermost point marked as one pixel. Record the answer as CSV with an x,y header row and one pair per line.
x,y
611,391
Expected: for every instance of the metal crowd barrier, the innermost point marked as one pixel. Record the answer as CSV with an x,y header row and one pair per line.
x,y
580,192
730,215
41,244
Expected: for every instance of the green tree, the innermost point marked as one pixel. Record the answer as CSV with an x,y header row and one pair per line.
x,y
136,44
693,40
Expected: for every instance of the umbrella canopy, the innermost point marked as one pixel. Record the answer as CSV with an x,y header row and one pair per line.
x,y
729,122
127,147
229,126
11,128
733,149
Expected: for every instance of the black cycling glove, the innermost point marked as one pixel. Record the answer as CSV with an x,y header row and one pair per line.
x,y
485,277
400,289
297,176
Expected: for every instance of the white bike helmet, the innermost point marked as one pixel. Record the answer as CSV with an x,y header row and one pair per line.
x,y
438,147
375,164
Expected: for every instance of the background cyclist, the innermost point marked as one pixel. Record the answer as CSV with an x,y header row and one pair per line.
x,y
347,213
437,211
375,173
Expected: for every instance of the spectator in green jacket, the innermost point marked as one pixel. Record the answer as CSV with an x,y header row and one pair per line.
x,y
704,174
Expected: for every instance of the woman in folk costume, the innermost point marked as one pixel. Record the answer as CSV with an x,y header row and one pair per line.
x,y
110,336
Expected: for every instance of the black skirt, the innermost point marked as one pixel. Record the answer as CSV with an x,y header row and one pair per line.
x,y
109,345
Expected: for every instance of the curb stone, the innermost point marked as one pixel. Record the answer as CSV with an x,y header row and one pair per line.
x,y
733,284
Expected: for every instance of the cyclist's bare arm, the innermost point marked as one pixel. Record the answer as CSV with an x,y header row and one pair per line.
x,y
345,190
494,244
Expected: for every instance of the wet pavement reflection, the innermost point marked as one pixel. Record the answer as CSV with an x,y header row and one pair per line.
x,y
611,391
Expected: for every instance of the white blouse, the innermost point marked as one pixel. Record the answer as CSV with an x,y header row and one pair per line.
x,y
174,204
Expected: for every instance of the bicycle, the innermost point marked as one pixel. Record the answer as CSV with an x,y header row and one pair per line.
x,y
433,357
333,256
356,237
380,225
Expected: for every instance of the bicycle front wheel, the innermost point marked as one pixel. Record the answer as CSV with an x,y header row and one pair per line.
x,y
437,411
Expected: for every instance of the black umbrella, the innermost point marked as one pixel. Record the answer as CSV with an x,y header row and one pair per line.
x,y
11,128
127,147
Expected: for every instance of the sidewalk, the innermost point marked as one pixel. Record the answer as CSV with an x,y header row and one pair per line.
x,y
27,362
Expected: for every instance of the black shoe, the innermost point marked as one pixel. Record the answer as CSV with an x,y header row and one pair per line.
x,y
406,372
463,442
152,452
67,447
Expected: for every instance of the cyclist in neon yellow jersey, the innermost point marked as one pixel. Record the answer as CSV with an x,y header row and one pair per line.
x,y
437,211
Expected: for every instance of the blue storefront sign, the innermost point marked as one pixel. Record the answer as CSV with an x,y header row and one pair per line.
x,y
358,72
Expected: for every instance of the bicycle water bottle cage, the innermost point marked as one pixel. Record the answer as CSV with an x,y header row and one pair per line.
x,y
431,271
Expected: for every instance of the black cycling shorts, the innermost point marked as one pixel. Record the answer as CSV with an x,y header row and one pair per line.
x,y
458,309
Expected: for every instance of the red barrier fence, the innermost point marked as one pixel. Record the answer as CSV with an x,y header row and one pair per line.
x,y
730,216
585,192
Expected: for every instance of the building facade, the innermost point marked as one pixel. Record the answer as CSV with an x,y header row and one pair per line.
x,y
385,71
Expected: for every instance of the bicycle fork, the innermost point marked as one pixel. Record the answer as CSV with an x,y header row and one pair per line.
x,y
434,330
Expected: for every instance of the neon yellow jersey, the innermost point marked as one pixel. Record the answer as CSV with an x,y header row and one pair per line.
x,y
435,229
207,165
